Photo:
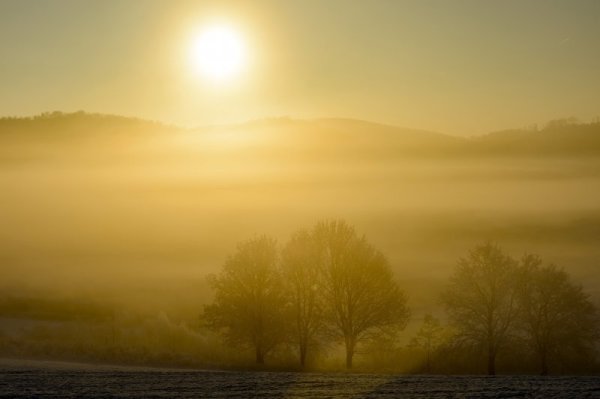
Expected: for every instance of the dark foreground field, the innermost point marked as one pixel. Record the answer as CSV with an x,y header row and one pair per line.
x,y
24,379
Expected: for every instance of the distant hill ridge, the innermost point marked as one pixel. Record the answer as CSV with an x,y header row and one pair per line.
x,y
563,137
62,117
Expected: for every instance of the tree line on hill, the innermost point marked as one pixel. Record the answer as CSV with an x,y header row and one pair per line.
x,y
565,137
328,285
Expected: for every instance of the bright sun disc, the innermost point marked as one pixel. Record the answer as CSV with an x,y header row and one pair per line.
x,y
218,53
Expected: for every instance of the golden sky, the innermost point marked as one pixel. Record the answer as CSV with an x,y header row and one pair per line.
x,y
461,67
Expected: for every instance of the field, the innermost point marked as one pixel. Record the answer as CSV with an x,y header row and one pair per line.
x,y
24,379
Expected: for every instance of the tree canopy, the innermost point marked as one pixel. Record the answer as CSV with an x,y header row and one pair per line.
x,y
557,318
481,299
250,300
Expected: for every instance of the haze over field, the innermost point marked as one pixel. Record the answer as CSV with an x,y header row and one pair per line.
x,y
123,208
427,143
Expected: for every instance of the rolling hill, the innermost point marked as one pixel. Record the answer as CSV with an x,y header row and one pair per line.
x,y
280,138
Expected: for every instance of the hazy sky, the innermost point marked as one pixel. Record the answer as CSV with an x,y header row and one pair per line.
x,y
462,67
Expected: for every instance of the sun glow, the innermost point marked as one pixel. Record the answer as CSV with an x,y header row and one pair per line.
x,y
218,53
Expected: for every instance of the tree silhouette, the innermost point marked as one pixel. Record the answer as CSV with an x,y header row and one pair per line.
x,y
481,299
362,299
556,315
429,338
300,267
249,303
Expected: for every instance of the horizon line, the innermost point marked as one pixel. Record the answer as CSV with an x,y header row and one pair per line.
x,y
280,118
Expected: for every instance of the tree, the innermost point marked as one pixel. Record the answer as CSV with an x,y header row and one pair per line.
x,y
429,338
362,299
249,300
556,315
481,299
300,267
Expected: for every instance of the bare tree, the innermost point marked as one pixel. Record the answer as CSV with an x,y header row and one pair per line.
x,y
300,266
249,300
362,298
481,299
556,315
429,338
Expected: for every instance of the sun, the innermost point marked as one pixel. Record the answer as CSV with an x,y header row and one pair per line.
x,y
218,53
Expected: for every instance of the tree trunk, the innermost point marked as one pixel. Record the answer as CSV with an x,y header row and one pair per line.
x,y
491,352
349,354
491,363
260,359
428,364
302,354
544,363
